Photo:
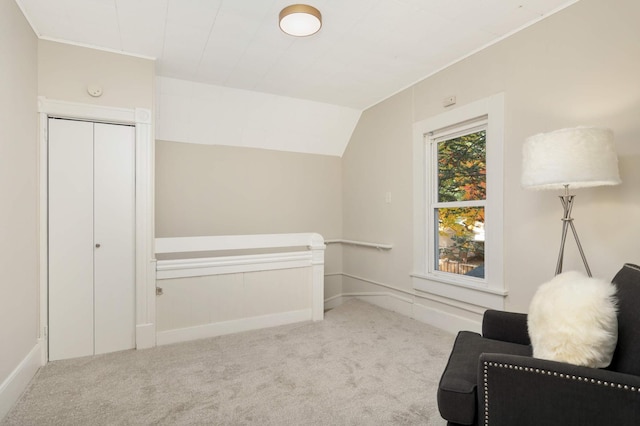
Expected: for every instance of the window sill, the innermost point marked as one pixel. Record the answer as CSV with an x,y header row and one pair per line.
x,y
486,297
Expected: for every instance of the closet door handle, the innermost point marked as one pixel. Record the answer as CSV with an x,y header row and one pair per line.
x,y
98,245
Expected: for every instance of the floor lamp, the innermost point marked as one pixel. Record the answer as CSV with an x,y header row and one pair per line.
x,y
570,158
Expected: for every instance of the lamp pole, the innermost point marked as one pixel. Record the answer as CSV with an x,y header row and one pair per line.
x,y
567,220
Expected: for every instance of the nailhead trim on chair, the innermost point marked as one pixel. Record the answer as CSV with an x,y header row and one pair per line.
x,y
488,364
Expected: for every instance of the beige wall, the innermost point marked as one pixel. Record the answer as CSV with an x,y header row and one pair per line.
x,y
378,161
577,67
18,189
65,71
221,190
218,190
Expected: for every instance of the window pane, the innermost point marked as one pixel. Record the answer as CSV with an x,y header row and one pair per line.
x,y
462,168
460,241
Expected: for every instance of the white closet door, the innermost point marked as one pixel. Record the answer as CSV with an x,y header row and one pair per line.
x,y
114,232
91,238
70,239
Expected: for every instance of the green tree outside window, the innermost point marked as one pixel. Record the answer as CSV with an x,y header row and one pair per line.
x,y
461,177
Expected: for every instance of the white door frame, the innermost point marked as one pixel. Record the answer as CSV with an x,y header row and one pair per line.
x,y
144,175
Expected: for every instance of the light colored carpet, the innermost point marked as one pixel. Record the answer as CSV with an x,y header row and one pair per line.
x,y
362,365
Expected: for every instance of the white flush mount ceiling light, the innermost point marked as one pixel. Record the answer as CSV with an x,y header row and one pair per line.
x,y
300,20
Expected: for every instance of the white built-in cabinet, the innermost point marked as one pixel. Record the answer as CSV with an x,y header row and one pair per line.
x,y
91,180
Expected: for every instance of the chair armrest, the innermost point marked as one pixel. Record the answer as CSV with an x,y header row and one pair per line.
x,y
505,326
518,390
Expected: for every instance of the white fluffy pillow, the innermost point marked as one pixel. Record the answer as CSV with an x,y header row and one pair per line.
x,y
572,319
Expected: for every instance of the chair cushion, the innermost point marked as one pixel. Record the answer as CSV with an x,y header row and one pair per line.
x,y
457,394
626,358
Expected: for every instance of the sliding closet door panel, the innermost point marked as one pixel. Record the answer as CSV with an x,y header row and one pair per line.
x,y
70,239
114,234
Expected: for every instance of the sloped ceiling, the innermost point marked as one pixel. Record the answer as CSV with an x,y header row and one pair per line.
x,y
366,50
227,75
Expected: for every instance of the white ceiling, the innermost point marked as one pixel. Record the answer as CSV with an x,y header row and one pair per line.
x,y
366,51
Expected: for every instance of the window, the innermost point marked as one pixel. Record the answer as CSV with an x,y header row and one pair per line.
x,y
458,204
457,198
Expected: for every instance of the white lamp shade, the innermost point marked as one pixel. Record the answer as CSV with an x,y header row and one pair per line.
x,y
579,157
300,20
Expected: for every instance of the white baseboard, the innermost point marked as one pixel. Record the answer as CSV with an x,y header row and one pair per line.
x,y
16,383
145,336
333,302
383,299
387,300
444,320
233,326
408,307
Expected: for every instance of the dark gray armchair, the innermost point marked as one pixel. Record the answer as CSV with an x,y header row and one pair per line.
x,y
493,380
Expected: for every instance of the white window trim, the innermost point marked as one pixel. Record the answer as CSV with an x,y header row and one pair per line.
x,y
490,292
